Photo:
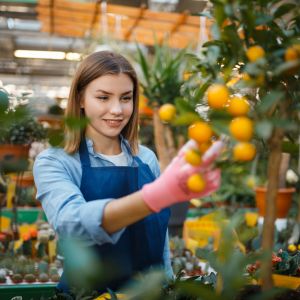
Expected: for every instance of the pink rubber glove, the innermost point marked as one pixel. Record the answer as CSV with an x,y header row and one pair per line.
x,y
171,187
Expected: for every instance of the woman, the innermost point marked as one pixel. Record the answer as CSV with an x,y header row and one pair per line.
x,y
103,188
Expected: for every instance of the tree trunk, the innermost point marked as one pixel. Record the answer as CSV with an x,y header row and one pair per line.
x,y
170,142
275,144
284,165
159,140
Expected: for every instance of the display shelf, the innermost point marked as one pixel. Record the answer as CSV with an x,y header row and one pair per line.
x,y
24,291
25,214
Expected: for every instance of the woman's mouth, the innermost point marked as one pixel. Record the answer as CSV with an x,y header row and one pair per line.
x,y
113,123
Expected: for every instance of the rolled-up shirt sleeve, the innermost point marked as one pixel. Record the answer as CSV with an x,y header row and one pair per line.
x,y
65,207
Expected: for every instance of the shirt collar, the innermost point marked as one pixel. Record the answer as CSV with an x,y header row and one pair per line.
x,y
125,147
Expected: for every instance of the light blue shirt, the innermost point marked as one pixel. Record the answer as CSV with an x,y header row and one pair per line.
x,y
57,177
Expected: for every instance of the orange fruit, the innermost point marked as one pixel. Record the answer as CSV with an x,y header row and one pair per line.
x,y
196,183
217,96
292,248
203,147
251,218
246,77
254,53
238,106
187,75
251,181
167,112
232,81
261,27
241,128
226,22
292,53
241,33
193,157
200,132
244,151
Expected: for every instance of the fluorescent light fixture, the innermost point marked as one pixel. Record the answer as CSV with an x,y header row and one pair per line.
x,y
73,56
40,54
58,55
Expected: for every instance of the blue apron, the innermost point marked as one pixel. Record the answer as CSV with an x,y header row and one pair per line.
x,y
142,243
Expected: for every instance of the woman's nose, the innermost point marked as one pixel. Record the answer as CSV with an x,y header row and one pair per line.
x,y
116,107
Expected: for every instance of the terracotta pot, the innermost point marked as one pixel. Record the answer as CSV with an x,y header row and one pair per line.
x,y
13,152
24,181
283,201
14,158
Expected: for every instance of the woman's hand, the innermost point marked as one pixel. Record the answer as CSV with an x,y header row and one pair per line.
x,y
171,186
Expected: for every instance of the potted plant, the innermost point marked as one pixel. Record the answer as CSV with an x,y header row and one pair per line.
x,y
18,129
285,191
161,81
54,116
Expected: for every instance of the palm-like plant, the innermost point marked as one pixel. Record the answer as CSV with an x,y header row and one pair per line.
x,y
161,81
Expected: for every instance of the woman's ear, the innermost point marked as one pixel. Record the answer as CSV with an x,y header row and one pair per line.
x,y
81,104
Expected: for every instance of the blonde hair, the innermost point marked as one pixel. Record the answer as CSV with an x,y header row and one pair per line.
x,y
92,67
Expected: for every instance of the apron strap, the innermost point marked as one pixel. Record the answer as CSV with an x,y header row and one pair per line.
x,y
138,160
144,168
84,153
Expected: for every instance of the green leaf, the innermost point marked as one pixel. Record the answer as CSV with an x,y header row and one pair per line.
x,y
270,100
288,125
219,115
184,106
76,123
4,101
186,119
284,9
284,67
220,126
264,129
55,137
143,64
263,19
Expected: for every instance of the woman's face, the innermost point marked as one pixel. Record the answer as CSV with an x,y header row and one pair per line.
x,y
108,103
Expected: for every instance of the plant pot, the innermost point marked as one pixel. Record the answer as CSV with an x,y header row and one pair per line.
x,y
24,181
11,151
52,121
285,281
14,158
283,201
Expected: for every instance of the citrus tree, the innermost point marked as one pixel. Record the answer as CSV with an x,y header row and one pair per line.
x,y
248,76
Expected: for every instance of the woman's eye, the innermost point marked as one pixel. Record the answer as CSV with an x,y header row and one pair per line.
x,y
103,98
128,98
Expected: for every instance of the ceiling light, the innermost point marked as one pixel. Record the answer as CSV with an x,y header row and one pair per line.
x,y
40,54
73,56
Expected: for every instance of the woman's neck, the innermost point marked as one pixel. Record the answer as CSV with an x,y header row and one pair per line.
x,y
107,146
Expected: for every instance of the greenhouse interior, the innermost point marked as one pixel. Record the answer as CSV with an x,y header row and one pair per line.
x,y
172,132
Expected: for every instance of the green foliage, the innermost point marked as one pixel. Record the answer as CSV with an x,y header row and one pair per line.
x,y
235,189
23,132
289,264
55,110
17,125
161,74
275,26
